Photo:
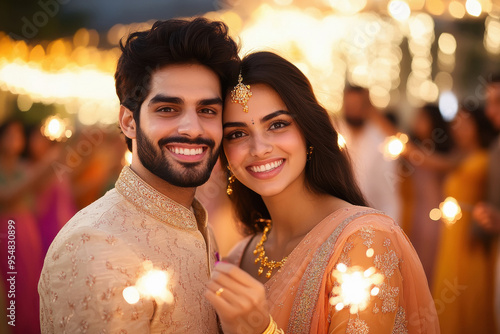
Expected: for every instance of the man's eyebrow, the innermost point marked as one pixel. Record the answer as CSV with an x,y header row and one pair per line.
x,y
163,98
212,101
273,115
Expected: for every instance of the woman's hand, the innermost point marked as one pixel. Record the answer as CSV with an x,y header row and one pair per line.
x,y
239,299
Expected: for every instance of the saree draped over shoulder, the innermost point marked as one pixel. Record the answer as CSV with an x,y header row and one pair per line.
x,y
299,293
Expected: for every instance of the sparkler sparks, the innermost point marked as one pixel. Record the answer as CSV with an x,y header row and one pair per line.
x,y
355,287
153,284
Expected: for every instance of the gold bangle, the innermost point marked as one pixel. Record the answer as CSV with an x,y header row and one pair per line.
x,y
273,327
270,328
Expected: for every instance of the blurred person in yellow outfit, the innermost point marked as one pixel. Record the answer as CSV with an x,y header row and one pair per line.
x,y
463,281
488,213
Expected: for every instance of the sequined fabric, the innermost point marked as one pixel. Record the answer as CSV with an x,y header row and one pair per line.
x,y
299,293
102,250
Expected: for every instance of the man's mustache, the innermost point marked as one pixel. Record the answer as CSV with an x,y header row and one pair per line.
x,y
183,140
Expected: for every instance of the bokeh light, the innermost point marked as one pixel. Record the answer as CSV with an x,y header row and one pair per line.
x,y
448,105
473,7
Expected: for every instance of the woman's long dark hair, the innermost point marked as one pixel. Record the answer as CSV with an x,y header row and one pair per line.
x,y
329,170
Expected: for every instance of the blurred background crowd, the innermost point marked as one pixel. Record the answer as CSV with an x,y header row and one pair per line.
x,y
410,85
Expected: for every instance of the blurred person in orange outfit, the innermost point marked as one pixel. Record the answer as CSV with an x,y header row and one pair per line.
x,y
487,213
97,169
54,203
463,276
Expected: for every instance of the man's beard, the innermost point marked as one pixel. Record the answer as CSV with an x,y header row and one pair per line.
x,y
190,174
355,122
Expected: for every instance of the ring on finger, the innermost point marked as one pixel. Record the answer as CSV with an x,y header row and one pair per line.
x,y
219,292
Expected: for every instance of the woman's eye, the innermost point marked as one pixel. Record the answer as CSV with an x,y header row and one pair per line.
x,y
235,135
278,125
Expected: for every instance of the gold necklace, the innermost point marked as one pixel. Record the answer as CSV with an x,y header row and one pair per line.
x,y
261,253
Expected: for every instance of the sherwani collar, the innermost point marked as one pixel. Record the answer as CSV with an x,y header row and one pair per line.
x,y
149,200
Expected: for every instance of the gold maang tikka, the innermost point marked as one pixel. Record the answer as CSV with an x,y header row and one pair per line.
x,y
241,93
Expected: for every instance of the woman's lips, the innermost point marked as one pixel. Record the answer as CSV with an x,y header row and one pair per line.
x,y
266,169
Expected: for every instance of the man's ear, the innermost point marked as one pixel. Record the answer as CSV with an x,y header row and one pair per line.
x,y
127,122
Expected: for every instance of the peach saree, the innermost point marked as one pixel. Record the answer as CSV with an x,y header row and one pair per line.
x,y
299,293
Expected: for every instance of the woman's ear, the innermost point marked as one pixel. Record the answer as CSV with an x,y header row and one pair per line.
x,y
127,122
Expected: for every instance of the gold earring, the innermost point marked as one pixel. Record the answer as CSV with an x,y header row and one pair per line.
x,y
310,152
230,180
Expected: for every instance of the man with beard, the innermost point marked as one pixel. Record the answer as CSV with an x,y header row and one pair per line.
x,y
377,176
137,259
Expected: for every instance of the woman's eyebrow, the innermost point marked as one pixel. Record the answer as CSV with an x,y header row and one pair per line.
x,y
263,119
273,115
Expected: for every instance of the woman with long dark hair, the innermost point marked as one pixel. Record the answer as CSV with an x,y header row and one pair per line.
x,y
308,228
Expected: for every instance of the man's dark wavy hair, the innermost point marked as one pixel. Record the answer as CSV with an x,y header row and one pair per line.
x,y
175,41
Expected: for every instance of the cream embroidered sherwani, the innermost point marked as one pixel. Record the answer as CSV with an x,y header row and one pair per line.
x,y
102,250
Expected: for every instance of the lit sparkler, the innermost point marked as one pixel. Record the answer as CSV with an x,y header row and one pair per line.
x,y
153,284
355,287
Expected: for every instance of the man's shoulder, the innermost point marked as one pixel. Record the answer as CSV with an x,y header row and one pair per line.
x,y
96,218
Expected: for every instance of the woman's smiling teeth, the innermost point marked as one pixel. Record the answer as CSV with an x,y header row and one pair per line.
x,y
186,151
267,167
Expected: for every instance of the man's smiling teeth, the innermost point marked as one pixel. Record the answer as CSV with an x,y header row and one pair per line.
x,y
266,167
186,151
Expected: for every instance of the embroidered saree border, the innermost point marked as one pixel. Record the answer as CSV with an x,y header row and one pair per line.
x,y
308,291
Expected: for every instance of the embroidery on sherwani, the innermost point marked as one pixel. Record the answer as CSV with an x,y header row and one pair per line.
x,y
307,294
152,202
